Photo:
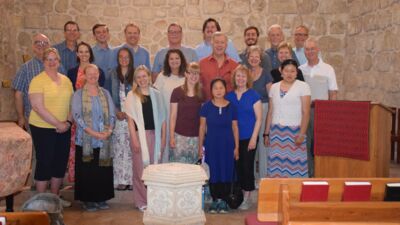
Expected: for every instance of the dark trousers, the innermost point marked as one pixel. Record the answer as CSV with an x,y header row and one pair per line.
x,y
245,166
220,190
93,183
310,145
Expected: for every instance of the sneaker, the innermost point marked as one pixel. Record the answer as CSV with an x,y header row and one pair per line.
x,y
246,204
89,206
102,205
142,208
223,207
65,203
214,207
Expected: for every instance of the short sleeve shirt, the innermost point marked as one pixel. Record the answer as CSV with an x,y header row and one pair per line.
x,y
321,78
287,108
260,87
245,111
188,117
56,98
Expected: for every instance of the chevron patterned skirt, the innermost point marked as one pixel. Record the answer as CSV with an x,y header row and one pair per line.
x,y
285,159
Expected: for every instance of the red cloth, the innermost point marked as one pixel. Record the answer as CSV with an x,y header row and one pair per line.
x,y
251,219
341,128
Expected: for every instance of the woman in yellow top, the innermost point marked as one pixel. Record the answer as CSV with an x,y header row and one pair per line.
x,y
50,120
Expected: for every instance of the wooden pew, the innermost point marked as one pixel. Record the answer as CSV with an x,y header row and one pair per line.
x,y
295,212
270,198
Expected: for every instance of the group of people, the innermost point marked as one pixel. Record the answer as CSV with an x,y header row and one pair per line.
x,y
113,114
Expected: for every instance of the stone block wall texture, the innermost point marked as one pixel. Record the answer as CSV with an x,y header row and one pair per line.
x,y
357,37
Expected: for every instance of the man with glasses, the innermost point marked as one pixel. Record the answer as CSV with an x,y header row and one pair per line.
x,y
67,48
300,36
174,42
22,80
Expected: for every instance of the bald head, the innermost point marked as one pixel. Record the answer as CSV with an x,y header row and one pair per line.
x,y
311,50
275,35
40,42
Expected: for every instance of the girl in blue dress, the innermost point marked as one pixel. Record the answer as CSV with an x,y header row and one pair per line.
x,y
220,136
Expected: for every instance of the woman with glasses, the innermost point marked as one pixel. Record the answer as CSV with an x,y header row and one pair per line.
x,y
184,118
50,120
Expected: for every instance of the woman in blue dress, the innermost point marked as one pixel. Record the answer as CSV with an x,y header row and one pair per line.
x,y
220,136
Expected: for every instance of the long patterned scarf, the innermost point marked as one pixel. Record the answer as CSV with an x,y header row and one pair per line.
x,y
105,153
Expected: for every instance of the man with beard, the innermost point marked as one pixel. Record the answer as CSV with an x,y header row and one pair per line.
x,y
251,35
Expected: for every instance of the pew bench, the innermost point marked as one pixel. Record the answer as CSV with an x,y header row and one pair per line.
x,y
279,203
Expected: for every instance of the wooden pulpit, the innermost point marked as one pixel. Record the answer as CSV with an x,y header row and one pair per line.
x,y
380,121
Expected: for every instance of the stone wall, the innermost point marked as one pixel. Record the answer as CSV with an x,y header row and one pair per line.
x,y
372,54
360,31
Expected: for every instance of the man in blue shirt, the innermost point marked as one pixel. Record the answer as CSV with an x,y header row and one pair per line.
x,y
300,36
102,50
174,42
275,37
210,26
25,74
67,48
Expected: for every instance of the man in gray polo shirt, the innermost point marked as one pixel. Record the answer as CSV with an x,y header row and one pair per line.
x,y
174,42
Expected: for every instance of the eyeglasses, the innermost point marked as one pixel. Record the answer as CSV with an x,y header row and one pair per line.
x,y
174,32
193,73
301,35
41,43
52,59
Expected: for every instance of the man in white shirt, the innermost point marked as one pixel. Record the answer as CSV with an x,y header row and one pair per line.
x,y
321,78
319,75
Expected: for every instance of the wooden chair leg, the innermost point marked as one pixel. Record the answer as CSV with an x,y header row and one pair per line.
x,y
10,203
398,136
393,138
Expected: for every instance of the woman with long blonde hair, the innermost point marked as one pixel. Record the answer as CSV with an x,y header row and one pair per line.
x,y
146,117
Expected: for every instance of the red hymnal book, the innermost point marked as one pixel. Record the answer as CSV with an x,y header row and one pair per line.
x,y
356,191
314,191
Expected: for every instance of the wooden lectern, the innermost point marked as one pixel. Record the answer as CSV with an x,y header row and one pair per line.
x,y
380,122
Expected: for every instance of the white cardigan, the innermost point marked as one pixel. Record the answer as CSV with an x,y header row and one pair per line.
x,y
287,109
133,108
